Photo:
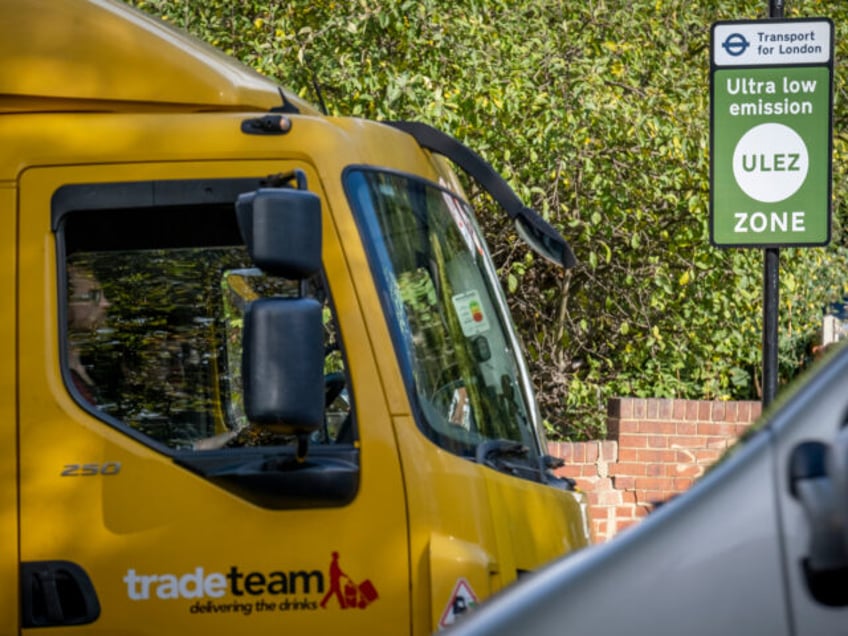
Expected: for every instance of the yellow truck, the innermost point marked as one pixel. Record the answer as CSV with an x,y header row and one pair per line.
x,y
257,374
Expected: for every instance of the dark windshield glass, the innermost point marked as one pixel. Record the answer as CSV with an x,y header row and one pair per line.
x,y
446,309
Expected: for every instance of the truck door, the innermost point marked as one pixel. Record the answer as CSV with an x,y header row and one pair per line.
x,y
8,411
148,502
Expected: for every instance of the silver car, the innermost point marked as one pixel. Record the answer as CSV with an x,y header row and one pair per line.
x,y
758,546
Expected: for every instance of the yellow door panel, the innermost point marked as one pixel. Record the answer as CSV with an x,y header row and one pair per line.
x,y
114,514
8,412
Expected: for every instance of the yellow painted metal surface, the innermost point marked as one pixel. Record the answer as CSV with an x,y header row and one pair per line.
x,y
8,414
498,526
154,518
104,55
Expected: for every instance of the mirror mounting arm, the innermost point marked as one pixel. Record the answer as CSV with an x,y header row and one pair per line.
x,y
536,231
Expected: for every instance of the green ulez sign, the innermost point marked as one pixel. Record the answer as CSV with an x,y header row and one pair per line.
x,y
770,135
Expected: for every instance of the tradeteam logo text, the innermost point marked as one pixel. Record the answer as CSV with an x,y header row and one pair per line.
x,y
236,591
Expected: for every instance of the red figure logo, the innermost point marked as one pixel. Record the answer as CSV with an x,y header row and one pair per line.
x,y
347,592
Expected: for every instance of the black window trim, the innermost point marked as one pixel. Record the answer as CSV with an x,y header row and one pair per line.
x,y
329,479
526,470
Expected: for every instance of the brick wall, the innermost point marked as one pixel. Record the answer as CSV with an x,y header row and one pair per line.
x,y
655,449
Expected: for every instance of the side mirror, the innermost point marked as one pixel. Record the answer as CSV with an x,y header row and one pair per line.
x,y
283,348
283,364
282,230
544,239
818,477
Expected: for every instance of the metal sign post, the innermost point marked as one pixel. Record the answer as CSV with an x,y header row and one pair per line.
x,y
771,291
771,86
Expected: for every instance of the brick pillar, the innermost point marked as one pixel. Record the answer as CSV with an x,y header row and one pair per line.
x,y
656,448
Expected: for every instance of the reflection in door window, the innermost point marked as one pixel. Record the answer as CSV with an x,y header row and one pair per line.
x,y
154,334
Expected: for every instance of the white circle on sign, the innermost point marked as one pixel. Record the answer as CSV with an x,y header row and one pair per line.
x,y
770,162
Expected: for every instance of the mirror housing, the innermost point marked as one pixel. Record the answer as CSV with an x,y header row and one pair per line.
x,y
283,364
544,239
282,230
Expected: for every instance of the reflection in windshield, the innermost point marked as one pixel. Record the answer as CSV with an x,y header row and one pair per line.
x,y
451,334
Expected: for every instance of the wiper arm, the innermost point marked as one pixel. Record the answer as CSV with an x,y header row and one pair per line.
x,y
489,452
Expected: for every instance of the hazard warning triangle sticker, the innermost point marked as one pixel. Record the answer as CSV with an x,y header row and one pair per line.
x,y
463,599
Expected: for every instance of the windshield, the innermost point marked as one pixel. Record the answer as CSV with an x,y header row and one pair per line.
x,y
447,312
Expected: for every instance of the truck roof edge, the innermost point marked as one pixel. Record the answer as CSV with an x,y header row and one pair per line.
x,y
58,64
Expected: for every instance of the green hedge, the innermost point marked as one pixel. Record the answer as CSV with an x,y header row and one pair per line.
x,y
598,114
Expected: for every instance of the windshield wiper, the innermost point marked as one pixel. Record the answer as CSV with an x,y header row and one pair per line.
x,y
493,452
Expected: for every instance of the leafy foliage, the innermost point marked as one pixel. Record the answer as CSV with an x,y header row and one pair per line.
x,y
598,115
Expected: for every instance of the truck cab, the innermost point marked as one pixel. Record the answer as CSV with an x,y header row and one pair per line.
x,y
256,370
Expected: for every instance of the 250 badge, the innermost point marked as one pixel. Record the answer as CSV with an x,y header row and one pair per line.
x,y
91,470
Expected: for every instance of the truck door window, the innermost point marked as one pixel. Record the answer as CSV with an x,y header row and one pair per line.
x,y
445,309
153,307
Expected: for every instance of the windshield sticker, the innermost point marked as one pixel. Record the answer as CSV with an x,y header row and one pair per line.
x,y
469,310
236,591
463,599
